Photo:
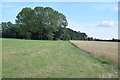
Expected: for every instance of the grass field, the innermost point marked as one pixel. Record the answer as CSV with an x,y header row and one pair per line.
x,y
0,58
107,50
50,59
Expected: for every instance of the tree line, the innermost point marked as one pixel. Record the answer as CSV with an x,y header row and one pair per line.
x,y
40,23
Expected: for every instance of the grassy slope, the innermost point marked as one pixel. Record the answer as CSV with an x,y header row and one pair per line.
x,y
51,59
0,58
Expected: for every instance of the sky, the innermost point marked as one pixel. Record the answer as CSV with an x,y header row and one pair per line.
x,y
96,19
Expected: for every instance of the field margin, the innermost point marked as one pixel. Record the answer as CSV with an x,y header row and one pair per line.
x,y
102,60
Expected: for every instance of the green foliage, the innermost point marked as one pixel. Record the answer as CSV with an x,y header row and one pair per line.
x,y
40,23
90,39
10,30
74,35
26,20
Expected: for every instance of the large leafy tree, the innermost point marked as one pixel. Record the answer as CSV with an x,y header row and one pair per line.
x,y
26,22
41,23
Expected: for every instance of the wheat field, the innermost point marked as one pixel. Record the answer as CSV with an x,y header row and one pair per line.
x,y
107,50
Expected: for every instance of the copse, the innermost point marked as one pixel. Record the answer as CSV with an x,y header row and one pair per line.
x,y
41,23
10,30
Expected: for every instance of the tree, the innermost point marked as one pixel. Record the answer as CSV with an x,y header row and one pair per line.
x,y
10,30
40,23
90,39
26,22
74,35
0,31
39,11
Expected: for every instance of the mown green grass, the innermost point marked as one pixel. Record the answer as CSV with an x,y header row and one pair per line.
x,y
49,59
0,58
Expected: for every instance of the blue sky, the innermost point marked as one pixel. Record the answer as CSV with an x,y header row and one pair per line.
x,y
96,19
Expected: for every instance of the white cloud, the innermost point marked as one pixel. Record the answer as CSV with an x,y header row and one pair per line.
x,y
92,29
106,24
115,8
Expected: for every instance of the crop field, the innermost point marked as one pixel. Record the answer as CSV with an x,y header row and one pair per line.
x,y
107,50
51,59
